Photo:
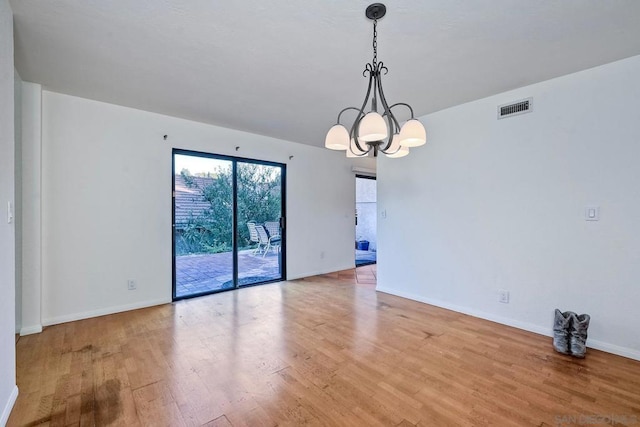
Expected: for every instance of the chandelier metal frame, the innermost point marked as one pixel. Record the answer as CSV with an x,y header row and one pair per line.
x,y
355,145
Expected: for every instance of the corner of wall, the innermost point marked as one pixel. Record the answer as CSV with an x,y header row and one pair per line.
x,y
30,330
6,411
31,245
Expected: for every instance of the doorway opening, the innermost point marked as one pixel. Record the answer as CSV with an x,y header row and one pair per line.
x,y
366,220
228,223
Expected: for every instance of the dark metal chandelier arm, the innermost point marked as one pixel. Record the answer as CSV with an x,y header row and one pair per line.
x,y
386,146
353,137
381,67
395,125
367,69
387,111
338,122
355,140
354,128
406,105
343,110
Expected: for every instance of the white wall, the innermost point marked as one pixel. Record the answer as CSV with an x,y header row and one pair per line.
x,y
493,204
8,389
17,188
106,203
30,300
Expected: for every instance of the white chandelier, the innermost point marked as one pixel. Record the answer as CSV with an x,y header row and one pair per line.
x,y
373,131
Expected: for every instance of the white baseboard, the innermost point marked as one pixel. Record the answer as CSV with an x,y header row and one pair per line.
x,y
598,345
615,349
6,411
102,312
28,330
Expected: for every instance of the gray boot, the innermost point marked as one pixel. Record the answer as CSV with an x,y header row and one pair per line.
x,y
561,325
578,329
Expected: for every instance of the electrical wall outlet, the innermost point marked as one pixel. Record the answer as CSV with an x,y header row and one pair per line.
x,y
503,296
132,285
592,213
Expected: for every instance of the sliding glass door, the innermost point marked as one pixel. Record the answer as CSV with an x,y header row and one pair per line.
x,y
228,223
260,234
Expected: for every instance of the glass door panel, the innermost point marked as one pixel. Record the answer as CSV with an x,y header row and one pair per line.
x,y
260,235
203,225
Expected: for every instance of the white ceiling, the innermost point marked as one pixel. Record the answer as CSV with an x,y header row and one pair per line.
x,y
286,68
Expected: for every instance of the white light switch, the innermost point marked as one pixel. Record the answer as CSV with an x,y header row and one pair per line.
x,y
383,213
592,213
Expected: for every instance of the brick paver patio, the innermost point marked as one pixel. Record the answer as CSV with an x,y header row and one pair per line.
x,y
196,274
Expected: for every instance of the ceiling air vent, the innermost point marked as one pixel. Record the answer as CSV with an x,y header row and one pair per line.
x,y
515,108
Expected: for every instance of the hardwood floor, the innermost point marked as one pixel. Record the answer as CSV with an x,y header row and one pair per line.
x,y
327,350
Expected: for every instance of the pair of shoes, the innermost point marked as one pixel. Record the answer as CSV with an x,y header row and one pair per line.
x,y
570,333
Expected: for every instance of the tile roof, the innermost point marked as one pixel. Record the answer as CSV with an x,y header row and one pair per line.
x,y
189,202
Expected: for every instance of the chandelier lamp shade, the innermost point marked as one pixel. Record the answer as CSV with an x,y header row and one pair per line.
x,y
377,130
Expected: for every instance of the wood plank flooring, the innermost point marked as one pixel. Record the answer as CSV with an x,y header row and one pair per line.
x,y
327,350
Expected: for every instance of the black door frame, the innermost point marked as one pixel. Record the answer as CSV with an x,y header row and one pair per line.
x,y
234,162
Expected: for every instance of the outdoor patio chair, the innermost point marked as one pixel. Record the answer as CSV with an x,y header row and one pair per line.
x,y
272,242
273,228
254,237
